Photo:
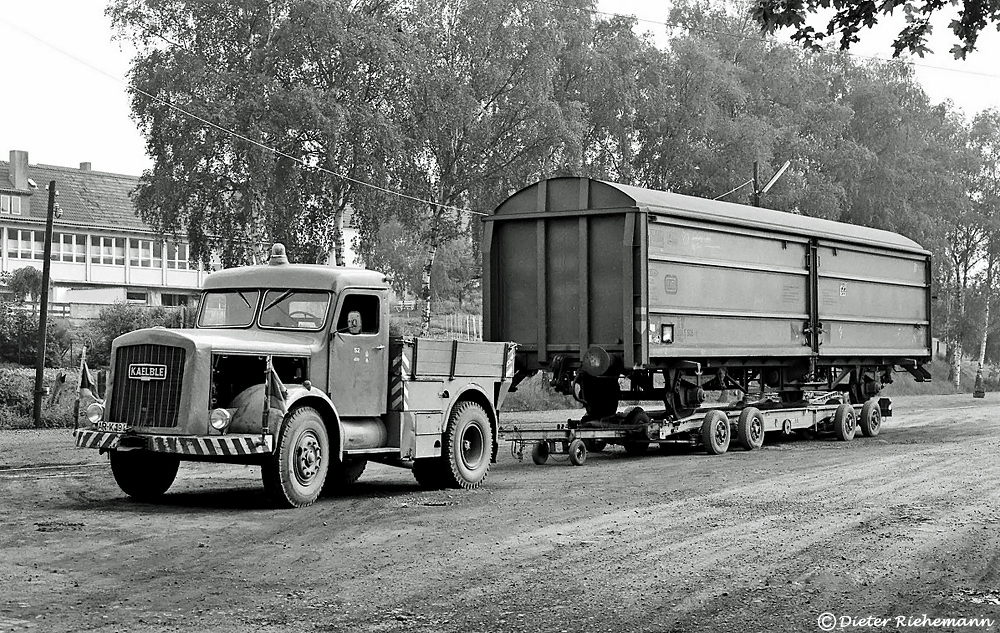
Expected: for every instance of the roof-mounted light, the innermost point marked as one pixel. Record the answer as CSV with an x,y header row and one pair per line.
x,y
278,257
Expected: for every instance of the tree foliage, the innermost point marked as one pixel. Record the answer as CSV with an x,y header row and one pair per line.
x,y
217,86
848,18
456,104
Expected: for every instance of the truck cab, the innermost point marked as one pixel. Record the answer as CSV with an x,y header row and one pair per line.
x,y
292,367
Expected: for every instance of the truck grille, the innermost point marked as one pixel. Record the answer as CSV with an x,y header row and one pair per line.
x,y
144,399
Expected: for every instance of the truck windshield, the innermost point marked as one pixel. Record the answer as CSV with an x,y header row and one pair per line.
x,y
233,308
294,309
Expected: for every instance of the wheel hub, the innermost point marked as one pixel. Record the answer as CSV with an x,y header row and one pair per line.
x,y
308,458
472,447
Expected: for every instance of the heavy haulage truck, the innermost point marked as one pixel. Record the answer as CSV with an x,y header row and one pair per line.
x,y
625,293
292,367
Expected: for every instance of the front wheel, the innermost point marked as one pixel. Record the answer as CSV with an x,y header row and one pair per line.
x,y
144,475
295,472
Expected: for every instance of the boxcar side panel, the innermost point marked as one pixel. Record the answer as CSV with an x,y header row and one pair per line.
x,y
725,293
871,304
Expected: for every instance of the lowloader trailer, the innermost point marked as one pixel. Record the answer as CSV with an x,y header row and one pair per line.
x,y
629,294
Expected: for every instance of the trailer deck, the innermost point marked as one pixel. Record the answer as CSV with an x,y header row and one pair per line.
x,y
712,427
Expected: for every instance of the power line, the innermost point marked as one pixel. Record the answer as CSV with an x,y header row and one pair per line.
x,y
235,134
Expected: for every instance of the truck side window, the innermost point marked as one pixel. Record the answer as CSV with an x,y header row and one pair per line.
x,y
367,306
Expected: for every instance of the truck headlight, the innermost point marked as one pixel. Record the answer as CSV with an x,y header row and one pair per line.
x,y
95,412
220,419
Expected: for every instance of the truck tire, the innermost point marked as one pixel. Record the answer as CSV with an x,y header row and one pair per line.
x,y
715,432
540,453
750,429
871,418
295,472
577,452
144,475
845,423
468,446
342,474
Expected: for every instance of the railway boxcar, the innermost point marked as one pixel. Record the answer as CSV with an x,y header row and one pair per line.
x,y
681,295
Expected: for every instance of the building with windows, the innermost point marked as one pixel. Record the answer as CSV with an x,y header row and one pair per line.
x,y
101,251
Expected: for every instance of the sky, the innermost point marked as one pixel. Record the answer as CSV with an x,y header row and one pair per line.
x,y
72,105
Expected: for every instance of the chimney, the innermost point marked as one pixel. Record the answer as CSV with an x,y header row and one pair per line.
x,y
19,168
84,166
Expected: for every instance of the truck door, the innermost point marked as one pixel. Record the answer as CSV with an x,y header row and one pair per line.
x,y
359,355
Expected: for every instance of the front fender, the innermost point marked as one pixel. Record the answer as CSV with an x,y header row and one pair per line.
x,y
248,408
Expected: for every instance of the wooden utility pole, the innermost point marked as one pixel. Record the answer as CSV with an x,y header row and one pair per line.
x,y
43,316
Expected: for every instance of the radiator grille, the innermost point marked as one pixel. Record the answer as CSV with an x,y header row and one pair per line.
x,y
147,402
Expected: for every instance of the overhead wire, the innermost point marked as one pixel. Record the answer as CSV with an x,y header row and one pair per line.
x,y
238,135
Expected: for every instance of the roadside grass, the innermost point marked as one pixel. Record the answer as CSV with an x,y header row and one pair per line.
x,y
17,386
904,385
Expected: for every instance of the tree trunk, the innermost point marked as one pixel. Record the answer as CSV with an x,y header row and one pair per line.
x,y
425,287
987,296
956,336
338,236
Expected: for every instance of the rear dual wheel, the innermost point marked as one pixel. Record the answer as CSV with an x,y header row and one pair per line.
x,y
466,452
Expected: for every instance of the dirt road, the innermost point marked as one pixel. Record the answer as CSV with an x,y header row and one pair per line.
x,y
900,526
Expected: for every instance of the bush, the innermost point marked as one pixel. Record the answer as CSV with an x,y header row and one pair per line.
x,y
17,387
535,394
19,337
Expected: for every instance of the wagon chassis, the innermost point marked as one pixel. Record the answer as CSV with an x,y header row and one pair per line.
x,y
710,427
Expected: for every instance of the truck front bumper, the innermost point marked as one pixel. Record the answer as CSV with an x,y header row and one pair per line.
x,y
196,445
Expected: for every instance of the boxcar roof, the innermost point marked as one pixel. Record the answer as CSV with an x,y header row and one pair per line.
x,y
571,194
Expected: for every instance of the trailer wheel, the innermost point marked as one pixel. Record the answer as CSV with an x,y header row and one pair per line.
x,y
595,446
540,453
871,418
468,445
144,475
295,473
750,429
577,452
343,474
715,432
845,423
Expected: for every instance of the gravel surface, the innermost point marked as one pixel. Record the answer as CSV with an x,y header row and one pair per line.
x,y
878,532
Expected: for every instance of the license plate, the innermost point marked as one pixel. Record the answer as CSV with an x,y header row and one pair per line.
x,y
112,427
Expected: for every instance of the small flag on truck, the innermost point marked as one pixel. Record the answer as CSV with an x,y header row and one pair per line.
x,y
276,391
